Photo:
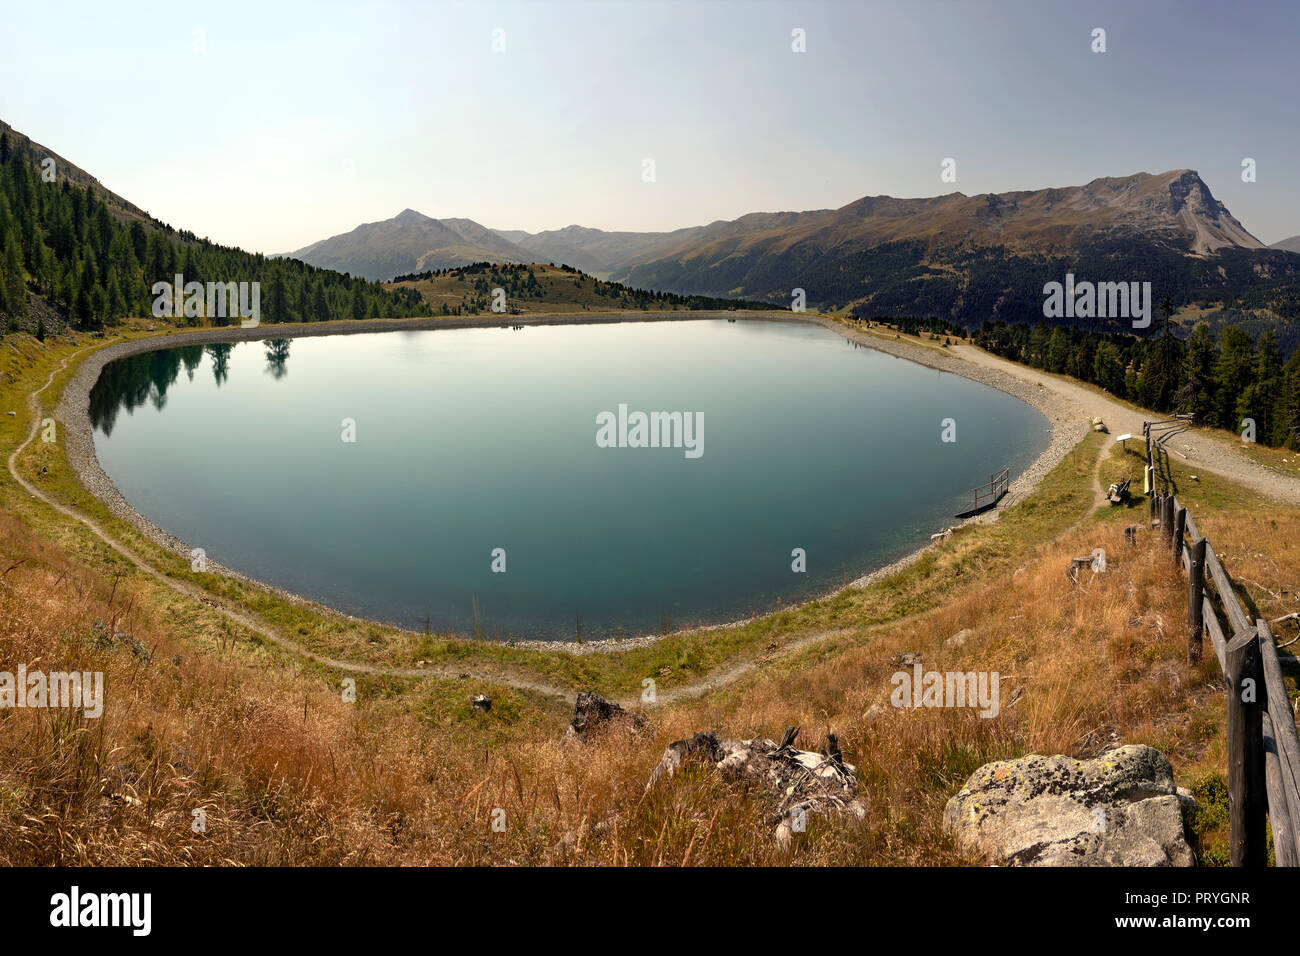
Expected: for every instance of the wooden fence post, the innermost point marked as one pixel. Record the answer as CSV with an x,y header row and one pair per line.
x,y
1195,601
1279,810
1180,527
1246,794
1155,505
1286,741
1167,518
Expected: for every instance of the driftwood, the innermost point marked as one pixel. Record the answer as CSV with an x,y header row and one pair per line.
x,y
592,713
797,783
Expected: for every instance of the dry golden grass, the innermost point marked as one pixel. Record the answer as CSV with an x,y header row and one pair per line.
x,y
289,773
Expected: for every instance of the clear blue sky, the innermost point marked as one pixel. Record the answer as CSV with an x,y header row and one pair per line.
x,y
282,123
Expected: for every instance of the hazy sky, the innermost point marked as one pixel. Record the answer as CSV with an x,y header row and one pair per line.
x,y
272,124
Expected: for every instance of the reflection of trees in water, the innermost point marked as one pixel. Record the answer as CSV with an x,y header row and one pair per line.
x,y
220,355
277,357
130,382
191,356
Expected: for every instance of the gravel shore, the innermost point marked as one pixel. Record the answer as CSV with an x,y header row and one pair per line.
x,y
1068,426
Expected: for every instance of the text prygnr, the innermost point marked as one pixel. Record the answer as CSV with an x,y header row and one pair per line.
x,y
1165,899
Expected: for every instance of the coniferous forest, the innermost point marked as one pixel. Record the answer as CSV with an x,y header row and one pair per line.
x,y
1220,379
90,263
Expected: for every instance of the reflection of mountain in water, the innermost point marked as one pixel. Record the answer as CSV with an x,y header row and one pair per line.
x,y
130,382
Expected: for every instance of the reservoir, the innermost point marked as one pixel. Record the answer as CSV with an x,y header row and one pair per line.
x,y
499,481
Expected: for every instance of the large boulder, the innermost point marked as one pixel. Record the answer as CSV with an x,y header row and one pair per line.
x,y
798,783
1118,809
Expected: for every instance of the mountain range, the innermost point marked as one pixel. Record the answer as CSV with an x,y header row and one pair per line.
x,y
966,259
962,257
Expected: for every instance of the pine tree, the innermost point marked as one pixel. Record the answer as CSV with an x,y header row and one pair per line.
x,y
115,304
320,310
1268,382
15,286
1233,374
1196,397
1108,368
1159,381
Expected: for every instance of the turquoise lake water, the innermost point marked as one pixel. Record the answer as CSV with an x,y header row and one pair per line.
x,y
472,440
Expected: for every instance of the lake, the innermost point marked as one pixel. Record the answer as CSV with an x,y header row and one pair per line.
x,y
500,481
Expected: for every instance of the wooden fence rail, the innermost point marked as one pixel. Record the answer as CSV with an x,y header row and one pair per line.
x,y
1263,745
988,494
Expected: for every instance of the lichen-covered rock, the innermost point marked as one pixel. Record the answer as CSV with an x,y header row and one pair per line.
x,y
1118,809
799,783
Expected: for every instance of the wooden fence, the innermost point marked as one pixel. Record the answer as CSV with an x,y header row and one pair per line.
x,y
1263,746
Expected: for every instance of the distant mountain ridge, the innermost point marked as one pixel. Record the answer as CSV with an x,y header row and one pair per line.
x,y
1175,208
1170,215
409,242
412,242
961,257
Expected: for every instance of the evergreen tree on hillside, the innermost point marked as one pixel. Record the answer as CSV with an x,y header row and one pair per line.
x,y
1233,374
1259,399
1158,383
320,310
13,287
99,265
1108,368
1196,396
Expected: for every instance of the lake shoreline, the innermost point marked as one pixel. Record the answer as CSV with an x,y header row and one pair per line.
x,y
73,412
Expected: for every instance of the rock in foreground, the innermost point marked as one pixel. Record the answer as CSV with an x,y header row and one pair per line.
x,y
1119,809
799,783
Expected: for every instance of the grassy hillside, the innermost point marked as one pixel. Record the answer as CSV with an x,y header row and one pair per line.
x,y
235,717
468,290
